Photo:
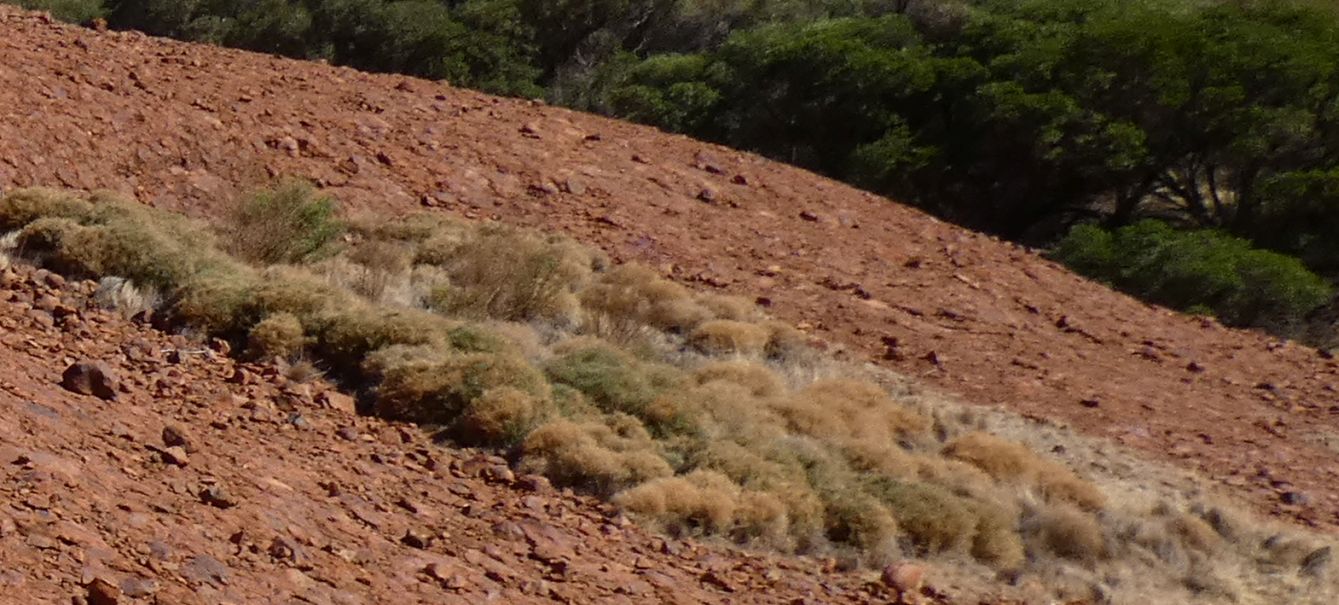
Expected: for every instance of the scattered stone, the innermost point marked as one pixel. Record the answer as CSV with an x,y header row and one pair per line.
x,y
1294,498
809,216
47,303
218,497
573,186
1316,562
50,279
714,579
704,161
547,543
175,455
204,569
241,376
220,346
176,436
289,552
138,588
177,595
299,421
91,378
338,401
160,550
419,539
447,575
102,592
499,473
535,483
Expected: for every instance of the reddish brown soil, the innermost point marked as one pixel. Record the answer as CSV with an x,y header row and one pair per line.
x,y
317,504
176,124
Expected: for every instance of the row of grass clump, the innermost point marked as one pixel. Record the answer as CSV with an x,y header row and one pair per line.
x,y
692,411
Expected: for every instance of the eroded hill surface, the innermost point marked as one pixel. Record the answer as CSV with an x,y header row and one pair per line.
x,y
174,124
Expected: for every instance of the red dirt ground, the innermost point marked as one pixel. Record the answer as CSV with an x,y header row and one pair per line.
x,y
176,124
317,505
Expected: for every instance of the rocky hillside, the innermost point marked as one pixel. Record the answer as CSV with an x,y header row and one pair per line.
x,y
139,468
178,125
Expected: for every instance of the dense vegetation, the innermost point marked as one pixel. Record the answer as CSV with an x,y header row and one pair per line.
x,y
1017,117
693,412
1200,271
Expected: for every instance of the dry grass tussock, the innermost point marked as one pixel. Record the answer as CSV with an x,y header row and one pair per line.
x,y
693,412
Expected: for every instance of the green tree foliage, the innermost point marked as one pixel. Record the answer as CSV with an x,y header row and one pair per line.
x,y
74,11
1198,270
480,43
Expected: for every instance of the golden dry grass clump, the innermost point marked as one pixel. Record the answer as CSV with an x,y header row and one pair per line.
x,y
848,409
1008,461
1067,532
278,335
693,412
729,337
602,457
505,273
759,380
699,502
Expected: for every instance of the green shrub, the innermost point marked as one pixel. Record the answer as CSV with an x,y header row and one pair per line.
x,y
610,378
592,455
501,416
862,520
61,244
932,517
279,335
510,274
73,11
345,338
434,388
20,208
630,298
1090,250
1187,270
110,237
291,223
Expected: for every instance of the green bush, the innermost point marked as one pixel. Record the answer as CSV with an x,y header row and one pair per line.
x,y
429,387
279,335
1195,270
932,517
291,223
610,378
73,11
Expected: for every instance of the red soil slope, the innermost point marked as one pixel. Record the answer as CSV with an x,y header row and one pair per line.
x,y
275,498
175,124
